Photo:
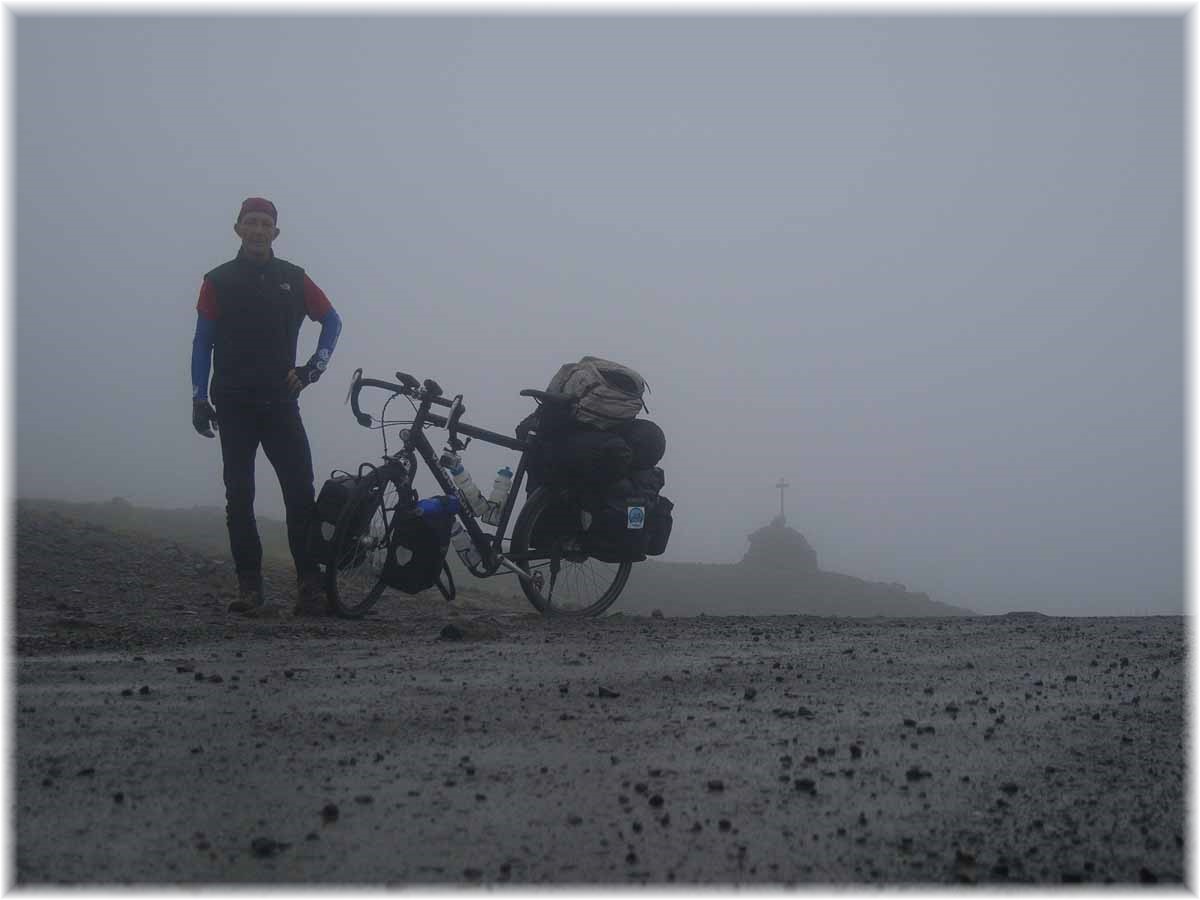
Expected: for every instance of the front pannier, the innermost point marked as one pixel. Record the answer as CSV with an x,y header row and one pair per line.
x,y
332,500
417,549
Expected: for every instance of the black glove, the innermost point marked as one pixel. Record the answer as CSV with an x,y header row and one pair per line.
x,y
204,418
301,377
308,374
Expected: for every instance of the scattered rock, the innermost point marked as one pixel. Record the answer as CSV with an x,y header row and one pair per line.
x,y
330,813
606,693
265,847
805,785
716,784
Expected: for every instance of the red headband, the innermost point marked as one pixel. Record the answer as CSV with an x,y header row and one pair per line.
x,y
258,204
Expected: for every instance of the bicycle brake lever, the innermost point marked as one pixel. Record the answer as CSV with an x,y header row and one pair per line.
x,y
353,381
456,411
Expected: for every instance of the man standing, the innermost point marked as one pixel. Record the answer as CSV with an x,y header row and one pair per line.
x,y
248,322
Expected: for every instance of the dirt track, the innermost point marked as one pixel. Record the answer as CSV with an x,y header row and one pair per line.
x,y
161,741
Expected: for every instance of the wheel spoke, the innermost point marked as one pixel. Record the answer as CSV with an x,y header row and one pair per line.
x,y
581,586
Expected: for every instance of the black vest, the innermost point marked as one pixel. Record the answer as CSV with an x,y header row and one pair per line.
x,y
260,308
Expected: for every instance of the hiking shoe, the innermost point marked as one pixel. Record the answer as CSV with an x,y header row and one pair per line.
x,y
311,599
250,595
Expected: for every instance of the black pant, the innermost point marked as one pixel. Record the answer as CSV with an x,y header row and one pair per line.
x,y
277,426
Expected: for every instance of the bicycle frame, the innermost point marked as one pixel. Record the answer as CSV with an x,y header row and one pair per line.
x,y
413,437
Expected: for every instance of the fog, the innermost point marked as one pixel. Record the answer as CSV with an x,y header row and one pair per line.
x,y
930,270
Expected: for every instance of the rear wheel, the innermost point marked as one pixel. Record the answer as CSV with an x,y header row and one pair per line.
x,y
360,545
547,543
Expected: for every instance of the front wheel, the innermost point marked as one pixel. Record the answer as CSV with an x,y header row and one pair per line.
x,y
353,577
547,542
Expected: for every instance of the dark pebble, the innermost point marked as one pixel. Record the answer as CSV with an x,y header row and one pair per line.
x,y
716,784
606,693
656,800
750,694
330,812
265,847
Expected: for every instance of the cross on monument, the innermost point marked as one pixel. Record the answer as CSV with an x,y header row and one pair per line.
x,y
783,485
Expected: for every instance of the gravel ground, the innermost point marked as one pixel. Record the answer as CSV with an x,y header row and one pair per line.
x,y
161,741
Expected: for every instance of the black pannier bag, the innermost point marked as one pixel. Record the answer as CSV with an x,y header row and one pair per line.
x,y
617,532
649,482
331,500
610,538
658,526
580,457
417,549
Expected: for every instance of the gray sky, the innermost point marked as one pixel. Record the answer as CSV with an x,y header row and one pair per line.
x,y
929,269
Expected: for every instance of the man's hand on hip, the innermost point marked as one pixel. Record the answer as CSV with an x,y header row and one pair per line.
x,y
204,418
301,377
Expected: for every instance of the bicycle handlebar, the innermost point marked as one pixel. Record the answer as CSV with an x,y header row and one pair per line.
x,y
429,392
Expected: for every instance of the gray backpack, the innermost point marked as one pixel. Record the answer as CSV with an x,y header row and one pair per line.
x,y
608,393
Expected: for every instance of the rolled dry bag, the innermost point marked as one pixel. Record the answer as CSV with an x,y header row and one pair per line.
x,y
646,441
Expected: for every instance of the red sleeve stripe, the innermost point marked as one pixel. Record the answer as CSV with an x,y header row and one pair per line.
x,y
315,301
207,304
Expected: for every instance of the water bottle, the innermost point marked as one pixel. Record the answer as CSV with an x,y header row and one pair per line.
x,y
465,483
500,488
463,546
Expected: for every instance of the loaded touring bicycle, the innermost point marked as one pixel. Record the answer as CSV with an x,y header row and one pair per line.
x,y
374,532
